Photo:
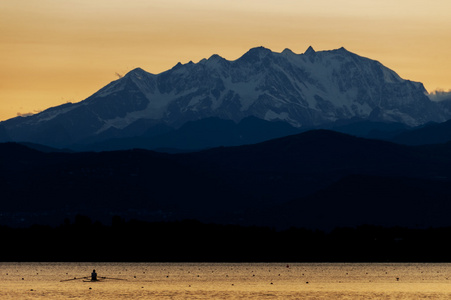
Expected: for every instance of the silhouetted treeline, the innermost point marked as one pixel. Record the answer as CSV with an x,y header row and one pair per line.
x,y
183,241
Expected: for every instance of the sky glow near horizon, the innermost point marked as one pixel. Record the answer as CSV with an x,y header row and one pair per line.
x,y
56,51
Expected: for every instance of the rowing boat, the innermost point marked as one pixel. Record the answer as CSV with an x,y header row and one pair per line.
x,y
87,279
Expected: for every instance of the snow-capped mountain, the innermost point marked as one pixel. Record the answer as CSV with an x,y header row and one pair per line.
x,y
303,90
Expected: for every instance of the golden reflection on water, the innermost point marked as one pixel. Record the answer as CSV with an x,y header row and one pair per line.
x,y
226,281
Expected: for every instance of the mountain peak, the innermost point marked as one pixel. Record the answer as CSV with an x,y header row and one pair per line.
x,y
287,51
178,65
214,61
136,73
310,51
215,58
343,50
260,49
255,54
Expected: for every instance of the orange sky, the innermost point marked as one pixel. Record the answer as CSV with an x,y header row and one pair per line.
x,y
55,51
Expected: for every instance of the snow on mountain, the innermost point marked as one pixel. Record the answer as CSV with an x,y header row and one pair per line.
x,y
303,90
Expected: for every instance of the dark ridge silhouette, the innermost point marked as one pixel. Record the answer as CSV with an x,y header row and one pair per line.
x,y
197,135
317,172
433,133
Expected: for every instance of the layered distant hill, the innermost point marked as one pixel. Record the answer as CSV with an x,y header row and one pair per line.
x,y
317,179
261,89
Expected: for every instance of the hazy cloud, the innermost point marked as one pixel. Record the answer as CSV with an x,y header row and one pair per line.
x,y
440,95
19,114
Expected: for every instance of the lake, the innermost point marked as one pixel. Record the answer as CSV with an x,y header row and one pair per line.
x,y
226,281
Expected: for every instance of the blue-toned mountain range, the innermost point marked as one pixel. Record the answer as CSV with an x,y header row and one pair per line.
x,y
303,91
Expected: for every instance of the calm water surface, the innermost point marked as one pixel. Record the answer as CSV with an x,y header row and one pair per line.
x,y
225,281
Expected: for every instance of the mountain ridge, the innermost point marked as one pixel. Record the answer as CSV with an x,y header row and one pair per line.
x,y
235,185
303,90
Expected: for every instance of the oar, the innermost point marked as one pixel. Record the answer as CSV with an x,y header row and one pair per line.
x,y
75,278
113,278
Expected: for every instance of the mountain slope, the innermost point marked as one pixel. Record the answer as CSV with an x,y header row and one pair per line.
x,y
200,134
303,90
428,134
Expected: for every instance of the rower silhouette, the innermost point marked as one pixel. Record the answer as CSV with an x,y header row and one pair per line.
x,y
93,275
